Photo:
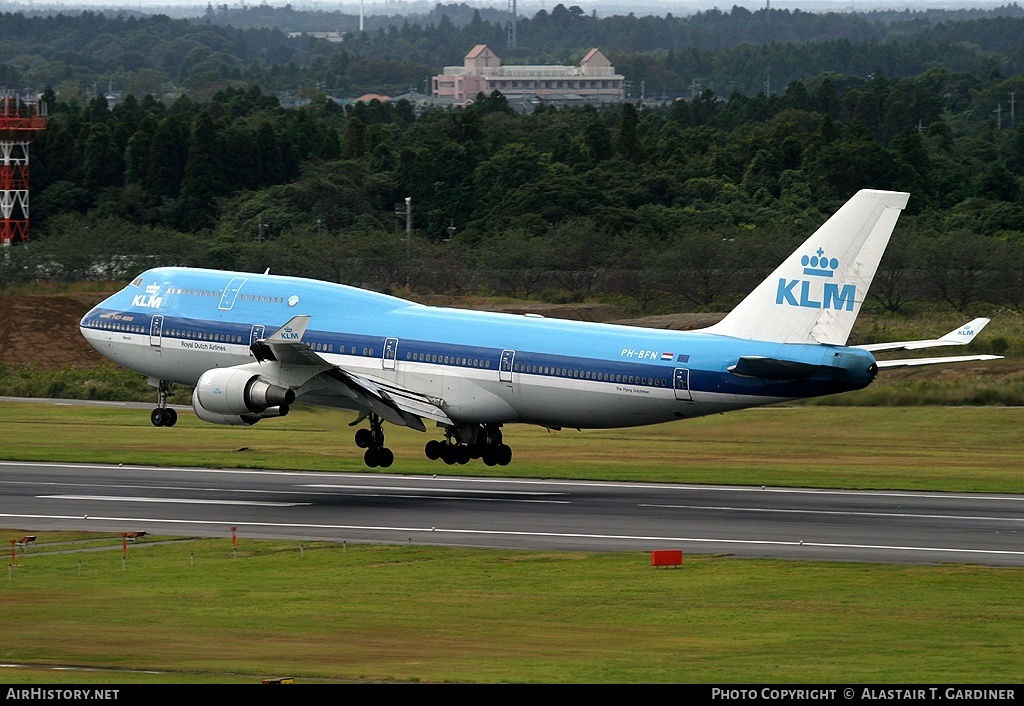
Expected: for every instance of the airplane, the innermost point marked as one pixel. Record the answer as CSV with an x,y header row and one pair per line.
x,y
253,344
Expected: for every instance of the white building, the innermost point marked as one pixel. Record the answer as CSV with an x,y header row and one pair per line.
x,y
594,80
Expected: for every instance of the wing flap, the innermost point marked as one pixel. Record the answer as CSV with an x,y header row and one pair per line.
x,y
388,400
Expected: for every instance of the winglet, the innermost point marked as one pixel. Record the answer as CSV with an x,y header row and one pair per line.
x,y
966,333
291,332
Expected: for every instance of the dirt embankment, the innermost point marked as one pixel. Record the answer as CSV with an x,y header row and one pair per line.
x,y
42,332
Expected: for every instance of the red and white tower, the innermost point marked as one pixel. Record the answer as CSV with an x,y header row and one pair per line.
x,y
20,122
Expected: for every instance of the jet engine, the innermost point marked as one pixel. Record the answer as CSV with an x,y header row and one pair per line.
x,y
237,397
236,419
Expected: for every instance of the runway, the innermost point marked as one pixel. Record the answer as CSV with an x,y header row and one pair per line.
x,y
819,525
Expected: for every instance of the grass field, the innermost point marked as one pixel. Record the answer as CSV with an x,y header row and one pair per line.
x,y
429,614
935,448
380,613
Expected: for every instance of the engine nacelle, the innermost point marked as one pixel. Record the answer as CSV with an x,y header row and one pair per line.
x,y
229,391
236,419
229,419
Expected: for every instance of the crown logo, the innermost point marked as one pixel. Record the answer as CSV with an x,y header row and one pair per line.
x,y
153,288
818,265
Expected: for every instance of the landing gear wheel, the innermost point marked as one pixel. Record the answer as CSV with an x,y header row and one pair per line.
x,y
504,455
372,439
364,438
448,454
163,416
433,449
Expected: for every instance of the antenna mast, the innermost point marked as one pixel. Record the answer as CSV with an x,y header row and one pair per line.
x,y
512,24
20,122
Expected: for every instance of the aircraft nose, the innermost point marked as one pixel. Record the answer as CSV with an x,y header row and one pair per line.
x,y
91,314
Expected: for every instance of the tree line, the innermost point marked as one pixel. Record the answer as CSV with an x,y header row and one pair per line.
x,y
739,51
687,205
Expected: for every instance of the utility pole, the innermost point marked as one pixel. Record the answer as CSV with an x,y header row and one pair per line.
x,y
405,210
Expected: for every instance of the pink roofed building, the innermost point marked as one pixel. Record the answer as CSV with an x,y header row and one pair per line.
x,y
594,80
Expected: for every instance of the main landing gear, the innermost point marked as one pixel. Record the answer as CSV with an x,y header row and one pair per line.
x,y
163,416
372,439
462,444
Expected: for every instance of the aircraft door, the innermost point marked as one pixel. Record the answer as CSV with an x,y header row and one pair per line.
x,y
156,330
681,383
505,366
256,333
390,354
227,299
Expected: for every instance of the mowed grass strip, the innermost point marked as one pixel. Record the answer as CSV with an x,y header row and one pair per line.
x,y
924,448
411,613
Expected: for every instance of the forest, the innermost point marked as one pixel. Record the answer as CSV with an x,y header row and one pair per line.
x,y
680,205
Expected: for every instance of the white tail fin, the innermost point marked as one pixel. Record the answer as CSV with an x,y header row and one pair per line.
x,y
816,294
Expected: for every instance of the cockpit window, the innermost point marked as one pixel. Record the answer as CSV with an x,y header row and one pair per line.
x,y
136,282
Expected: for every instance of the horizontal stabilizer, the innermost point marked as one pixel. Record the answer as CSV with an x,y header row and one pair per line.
x,y
957,337
911,362
775,369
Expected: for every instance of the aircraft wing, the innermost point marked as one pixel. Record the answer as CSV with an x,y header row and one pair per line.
x,y
957,337
910,362
319,378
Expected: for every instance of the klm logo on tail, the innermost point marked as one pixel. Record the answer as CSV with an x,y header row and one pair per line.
x,y
809,294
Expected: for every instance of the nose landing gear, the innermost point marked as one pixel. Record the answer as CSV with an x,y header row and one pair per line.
x,y
163,416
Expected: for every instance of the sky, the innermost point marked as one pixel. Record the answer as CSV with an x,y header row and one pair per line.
x,y
524,7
